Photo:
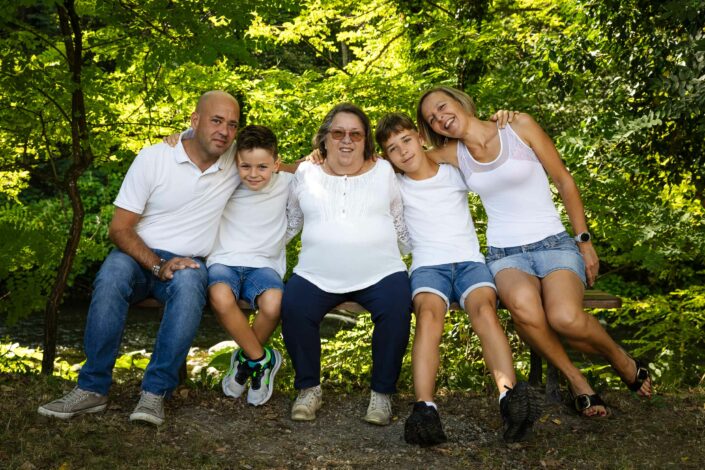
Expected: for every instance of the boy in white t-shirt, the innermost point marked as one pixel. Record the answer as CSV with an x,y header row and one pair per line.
x,y
248,262
448,266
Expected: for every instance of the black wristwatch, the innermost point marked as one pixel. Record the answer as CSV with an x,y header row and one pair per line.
x,y
583,237
158,267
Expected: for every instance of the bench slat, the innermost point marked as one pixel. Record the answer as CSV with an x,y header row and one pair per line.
x,y
592,299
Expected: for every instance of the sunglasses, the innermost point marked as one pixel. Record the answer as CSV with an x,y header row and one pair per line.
x,y
339,134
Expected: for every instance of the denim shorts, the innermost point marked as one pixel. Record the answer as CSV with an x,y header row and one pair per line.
x,y
246,283
452,282
539,259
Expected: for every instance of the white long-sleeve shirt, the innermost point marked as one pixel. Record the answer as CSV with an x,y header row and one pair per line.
x,y
351,226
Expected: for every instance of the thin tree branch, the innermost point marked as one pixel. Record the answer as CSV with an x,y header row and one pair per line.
x,y
327,59
25,27
139,17
382,51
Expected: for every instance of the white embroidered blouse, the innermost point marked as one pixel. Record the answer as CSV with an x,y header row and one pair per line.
x,y
353,227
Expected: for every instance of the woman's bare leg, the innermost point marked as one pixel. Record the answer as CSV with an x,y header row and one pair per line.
x,y
562,293
521,293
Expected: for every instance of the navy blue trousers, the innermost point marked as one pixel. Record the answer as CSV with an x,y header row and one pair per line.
x,y
304,305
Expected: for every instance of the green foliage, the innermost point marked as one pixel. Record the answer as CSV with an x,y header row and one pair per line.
x,y
668,332
19,359
617,84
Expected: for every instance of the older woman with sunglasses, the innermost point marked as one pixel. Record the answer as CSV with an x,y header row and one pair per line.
x,y
350,209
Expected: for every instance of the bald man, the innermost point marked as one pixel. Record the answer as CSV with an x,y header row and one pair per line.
x,y
165,223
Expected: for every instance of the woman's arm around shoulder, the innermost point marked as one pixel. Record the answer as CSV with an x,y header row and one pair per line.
x,y
446,154
534,136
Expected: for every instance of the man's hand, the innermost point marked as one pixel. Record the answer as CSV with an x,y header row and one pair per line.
x,y
503,117
176,264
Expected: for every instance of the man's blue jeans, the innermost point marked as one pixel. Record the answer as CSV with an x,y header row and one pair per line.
x,y
120,282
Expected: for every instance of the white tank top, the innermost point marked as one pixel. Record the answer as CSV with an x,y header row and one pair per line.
x,y
438,219
515,192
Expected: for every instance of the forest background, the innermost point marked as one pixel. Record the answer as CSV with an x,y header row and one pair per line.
x,y
619,85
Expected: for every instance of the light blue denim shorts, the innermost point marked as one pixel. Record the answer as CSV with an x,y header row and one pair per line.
x,y
246,283
539,259
452,282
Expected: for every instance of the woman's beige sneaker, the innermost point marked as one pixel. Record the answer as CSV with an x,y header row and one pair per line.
x,y
379,411
307,403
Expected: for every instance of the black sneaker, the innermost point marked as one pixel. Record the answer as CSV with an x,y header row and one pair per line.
x,y
520,408
423,426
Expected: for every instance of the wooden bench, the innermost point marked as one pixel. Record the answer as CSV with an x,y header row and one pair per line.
x,y
592,299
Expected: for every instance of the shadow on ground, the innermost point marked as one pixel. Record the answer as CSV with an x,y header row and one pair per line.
x,y
206,430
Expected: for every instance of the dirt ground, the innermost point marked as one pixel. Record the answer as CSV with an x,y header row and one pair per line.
x,y
204,429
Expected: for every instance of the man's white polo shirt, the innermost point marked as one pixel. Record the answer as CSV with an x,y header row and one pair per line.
x,y
180,205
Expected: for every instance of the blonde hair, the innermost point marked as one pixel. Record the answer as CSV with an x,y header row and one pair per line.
x,y
461,97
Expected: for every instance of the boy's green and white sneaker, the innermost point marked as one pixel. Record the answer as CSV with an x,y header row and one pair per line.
x,y
307,403
234,381
379,411
74,403
263,373
150,409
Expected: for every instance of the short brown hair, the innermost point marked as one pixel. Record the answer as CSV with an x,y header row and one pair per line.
x,y
460,96
390,124
319,138
256,137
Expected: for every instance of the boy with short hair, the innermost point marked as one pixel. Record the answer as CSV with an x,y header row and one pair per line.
x,y
448,266
248,262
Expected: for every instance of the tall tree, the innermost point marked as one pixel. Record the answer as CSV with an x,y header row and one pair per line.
x,y
84,85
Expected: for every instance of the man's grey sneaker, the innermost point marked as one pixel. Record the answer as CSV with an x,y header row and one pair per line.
x,y
234,381
423,427
520,408
150,409
262,384
307,403
74,403
379,411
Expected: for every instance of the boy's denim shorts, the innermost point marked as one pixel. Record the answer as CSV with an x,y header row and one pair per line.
x,y
539,259
452,282
246,283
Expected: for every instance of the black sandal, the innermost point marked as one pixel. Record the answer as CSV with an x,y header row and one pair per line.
x,y
642,375
585,401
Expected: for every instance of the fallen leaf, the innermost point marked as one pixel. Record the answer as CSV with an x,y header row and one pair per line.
x,y
556,421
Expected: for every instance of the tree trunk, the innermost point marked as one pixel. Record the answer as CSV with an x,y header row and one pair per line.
x,y
82,156
57,291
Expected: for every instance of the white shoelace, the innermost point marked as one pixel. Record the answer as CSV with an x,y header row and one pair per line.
x,y
381,401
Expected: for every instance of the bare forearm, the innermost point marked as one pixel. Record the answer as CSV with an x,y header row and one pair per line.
x,y
128,241
573,206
